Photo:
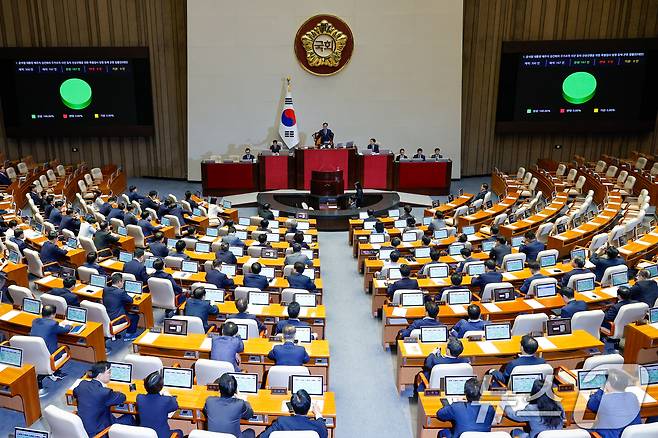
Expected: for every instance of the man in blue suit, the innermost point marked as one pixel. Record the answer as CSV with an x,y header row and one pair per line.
x,y
225,412
151,201
298,280
578,265
116,212
55,216
623,298
490,276
136,266
453,350
51,253
602,263
499,251
70,221
241,304
106,207
529,347
17,238
95,400
531,246
91,263
325,135
158,265
289,353
473,323
163,209
535,270
301,404
115,300
154,408
228,346
572,305
157,247
615,408
466,254
404,283
47,328
217,277
197,306
175,210
225,256
469,416
430,320
254,279
232,238
179,250
293,318
645,289
148,229
65,292
133,194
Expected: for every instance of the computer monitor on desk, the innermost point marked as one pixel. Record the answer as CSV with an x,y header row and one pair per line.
x,y
22,432
592,379
181,378
98,280
11,356
247,382
495,332
454,385
522,383
121,372
314,385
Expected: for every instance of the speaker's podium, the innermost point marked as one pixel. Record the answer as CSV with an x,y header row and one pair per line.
x,y
328,189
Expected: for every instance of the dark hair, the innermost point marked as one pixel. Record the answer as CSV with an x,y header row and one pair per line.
x,y
229,329
432,309
644,274
227,385
490,264
138,252
567,292
69,282
132,188
624,292
472,389
455,347
473,311
12,223
579,261
456,279
255,268
465,252
296,247
116,278
18,233
48,310
153,383
153,193
379,226
301,402
462,238
501,240
370,212
530,235
180,245
264,224
405,270
435,254
494,230
612,252
533,265
188,194
241,304
546,404
98,368
529,344
103,225
395,242
262,238
439,214
426,240
158,235
199,293
299,267
298,237
407,208
411,222
52,235
145,214
158,264
91,257
372,139
394,256
293,309
618,379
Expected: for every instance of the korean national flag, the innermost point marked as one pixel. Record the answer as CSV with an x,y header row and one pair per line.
x,y
288,125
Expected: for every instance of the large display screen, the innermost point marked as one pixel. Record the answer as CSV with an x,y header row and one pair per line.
x,y
578,86
76,92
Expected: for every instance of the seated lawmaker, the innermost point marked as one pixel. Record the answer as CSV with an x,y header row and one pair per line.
x,y
47,328
435,255
528,356
615,408
70,221
115,300
645,289
469,416
158,265
154,408
454,348
232,238
543,412
466,254
419,154
455,284
531,246
572,305
623,298
189,200
489,276
275,147
95,401
225,256
66,293
401,155
254,279
90,263
404,283
406,212
536,274
373,146
104,238
136,266
484,189
578,267
293,318
228,346
288,353
117,212
297,256
430,319
500,250
241,304
217,277
610,259
134,195
248,156
266,212
17,238
225,412
299,238
106,207
473,323
301,403
197,306
298,280
179,250
51,253
437,153
55,215
148,229
129,217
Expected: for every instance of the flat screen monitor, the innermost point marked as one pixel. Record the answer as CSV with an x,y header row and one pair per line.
x,y
303,334
377,238
214,295
125,257
456,297
441,233
475,269
237,251
171,243
422,253
178,377
517,241
133,287
202,247
14,257
394,213
504,294
228,270
592,379
653,270
454,385
21,432
455,249
243,331
488,245
303,226
268,272
273,225
308,239
314,385
175,327
546,290
247,382
305,300
308,253
440,271
72,242
190,267
412,299
394,274
653,315
400,223
427,220
272,237
409,237
558,326
11,356
369,225
148,264
514,265
241,234
309,272
196,212
32,306
226,203
580,252
122,231
494,332
619,279
363,215
437,333
385,253
522,383
547,260
98,280
121,372
76,314
212,232
648,374
259,298
244,221
585,284
468,230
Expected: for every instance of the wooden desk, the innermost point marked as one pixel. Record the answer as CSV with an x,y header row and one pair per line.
x,y
643,248
568,350
76,257
450,207
641,343
19,391
485,217
16,274
533,222
88,346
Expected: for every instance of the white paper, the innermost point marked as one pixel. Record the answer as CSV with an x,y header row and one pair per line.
x,y
611,291
642,396
47,279
488,347
545,344
458,258
9,315
303,312
107,263
75,384
149,338
413,349
643,243
491,307
534,304
459,309
399,311
255,309
3,367
206,344
654,325
509,276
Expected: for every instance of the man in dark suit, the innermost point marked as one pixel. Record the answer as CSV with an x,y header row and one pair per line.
x,y
151,201
116,212
176,210
535,270
155,408
158,247
227,347
106,207
623,298
531,246
326,135
217,277
615,407
197,306
104,238
47,328
4,178
254,279
645,289
578,265
225,256
147,227
490,276
241,304
90,263
499,251
529,347
373,146
453,350
158,265
17,238
419,154
225,412
51,253
36,196
266,212
602,263
70,221
301,404
469,416
136,266
275,147
430,319
572,305
401,155
95,401
288,353
115,300
404,283
133,195
48,205
484,189
248,156
179,250
189,200
65,292
466,254
293,318
298,280
129,217
437,153
164,209
473,323
55,216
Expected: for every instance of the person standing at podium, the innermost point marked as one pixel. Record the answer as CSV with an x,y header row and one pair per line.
x,y
324,137
275,147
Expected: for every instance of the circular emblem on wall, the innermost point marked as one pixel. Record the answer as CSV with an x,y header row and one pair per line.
x,y
324,45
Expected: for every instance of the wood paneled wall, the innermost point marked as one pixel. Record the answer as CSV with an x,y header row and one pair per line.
x,y
489,22
157,24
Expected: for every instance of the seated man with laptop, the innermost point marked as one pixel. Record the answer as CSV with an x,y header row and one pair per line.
x,y
197,306
293,318
453,350
490,276
224,255
242,305
578,267
468,416
528,356
403,283
301,403
435,255
288,353
254,279
179,250
466,254
115,300
228,346
572,305
473,323
298,280
217,277
225,412
430,320
47,328
535,270
623,298
136,266
65,291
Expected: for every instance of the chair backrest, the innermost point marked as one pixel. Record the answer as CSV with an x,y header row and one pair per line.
x,y
61,171
35,353
64,424
254,251
198,433
84,273
629,184
243,292
143,365
527,177
279,375
98,313
96,173
452,369
397,295
22,168
589,320
34,264
597,242
116,223
68,233
135,231
564,433
173,262
487,293
628,313
53,300
162,293
548,252
612,171
123,431
572,175
295,434
252,326
17,293
533,184
11,173
600,166
580,182
194,324
544,231
207,371
574,278
288,294
524,324
478,203
622,177
544,368
606,280
500,219
460,211
604,361
561,169
174,222
520,173
43,179
648,430
87,244
654,169
515,256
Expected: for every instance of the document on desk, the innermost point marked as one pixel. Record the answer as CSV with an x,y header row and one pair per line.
x,y
509,276
459,309
534,303
413,349
458,258
149,338
491,307
206,344
590,295
47,279
108,263
9,315
610,291
488,347
3,367
545,344
400,312
654,325
641,394
255,309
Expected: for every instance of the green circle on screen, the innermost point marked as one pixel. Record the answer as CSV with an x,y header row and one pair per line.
x,y
579,87
75,93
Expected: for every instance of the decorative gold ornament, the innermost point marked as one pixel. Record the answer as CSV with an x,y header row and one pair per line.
x,y
324,45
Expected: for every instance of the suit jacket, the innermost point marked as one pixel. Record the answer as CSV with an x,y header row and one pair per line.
x,y
290,321
105,209
137,269
266,214
465,415
612,311
603,263
226,257
201,309
51,253
225,348
565,278
48,329
532,249
104,239
165,275
289,354
232,240
460,267
115,213
153,410
219,279
21,244
147,228
94,403
645,291
162,210
150,203
614,411
465,325
403,283
374,147
95,266
134,196
438,359
224,414
248,157
297,422
400,157
115,300
275,148
295,257
70,297
180,255
245,315
573,307
486,278
421,156
255,280
70,223
129,219
326,135
525,287
178,212
498,252
480,195
47,210
301,281
521,360
423,322
159,249
532,416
